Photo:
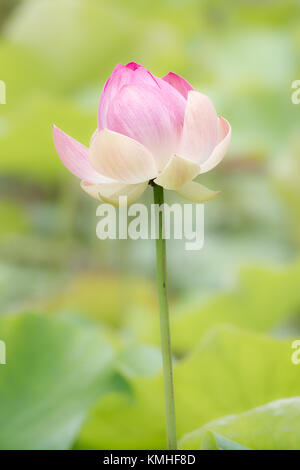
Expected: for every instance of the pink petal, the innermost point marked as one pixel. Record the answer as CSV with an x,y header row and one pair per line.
x,y
179,83
152,115
75,157
121,158
143,76
133,66
220,150
200,129
121,76
130,74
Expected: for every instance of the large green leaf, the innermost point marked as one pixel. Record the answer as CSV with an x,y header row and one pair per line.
x,y
55,370
274,426
231,371
214,441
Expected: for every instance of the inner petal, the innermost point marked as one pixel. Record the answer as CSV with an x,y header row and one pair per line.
x,y
149,116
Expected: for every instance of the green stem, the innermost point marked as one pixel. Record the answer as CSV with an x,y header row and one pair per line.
x,y
164,323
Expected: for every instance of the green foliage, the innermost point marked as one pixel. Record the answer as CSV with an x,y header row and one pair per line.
x,y
94,346
55,370
22,72
138,360
26,145
230,371
82,294
65,36
274,426
214,441
13,219
22,287
263,299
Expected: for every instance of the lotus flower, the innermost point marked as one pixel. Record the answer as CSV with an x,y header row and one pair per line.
x,y
149,128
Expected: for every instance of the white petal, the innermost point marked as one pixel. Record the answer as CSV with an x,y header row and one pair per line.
x,y
200,128
220,150
111,192
177,173
196,192
121,158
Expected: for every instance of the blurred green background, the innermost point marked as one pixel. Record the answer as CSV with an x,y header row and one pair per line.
x,y
79,316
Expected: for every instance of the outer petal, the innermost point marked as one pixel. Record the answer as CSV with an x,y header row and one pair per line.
x,y
220,150
120,76
179,83
110,193
200,129
75,157
196,192
130,74
177,173
143,76
121,158
133,66
151,115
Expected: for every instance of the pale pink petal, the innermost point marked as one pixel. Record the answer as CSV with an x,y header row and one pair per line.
x,y
150,115
200,129
179,83
224,136
177,173
111,192
121,158
196,192
75,157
